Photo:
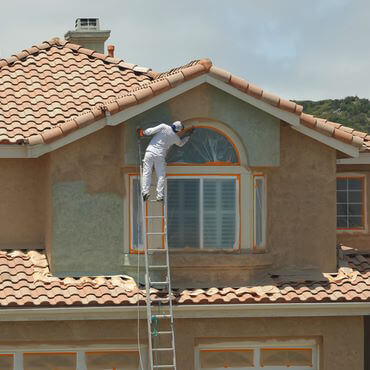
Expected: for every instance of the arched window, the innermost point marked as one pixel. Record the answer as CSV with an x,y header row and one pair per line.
x,y
207,146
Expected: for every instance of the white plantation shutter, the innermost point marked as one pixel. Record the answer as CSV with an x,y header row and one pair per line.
x,y
219,213
183,212
201,212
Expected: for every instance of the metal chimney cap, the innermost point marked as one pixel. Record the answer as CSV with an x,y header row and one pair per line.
x,y
84,24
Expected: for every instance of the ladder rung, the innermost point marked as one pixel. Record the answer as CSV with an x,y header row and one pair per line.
x,y
162,316
162,333
158,266
157,250
162,366
159,283
154,216
160,299
153,233
162,349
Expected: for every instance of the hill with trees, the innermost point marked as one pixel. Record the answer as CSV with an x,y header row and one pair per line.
x,y
350,111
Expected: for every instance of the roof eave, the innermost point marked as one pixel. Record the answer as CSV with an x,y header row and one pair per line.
x,y
189,311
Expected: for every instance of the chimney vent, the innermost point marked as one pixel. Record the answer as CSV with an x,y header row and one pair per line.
x,y
87,24
111,50
87,33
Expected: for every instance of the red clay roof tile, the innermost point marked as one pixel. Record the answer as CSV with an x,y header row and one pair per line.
x,y
25,280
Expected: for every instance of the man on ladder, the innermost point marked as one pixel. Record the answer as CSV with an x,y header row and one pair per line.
x,y
164,137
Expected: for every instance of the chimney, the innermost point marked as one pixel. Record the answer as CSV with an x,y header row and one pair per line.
x,y
87,33
111,50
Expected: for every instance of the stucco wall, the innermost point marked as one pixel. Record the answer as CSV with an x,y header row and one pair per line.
x,y
357,239
257,130
86,204
22,211
340,339
301,203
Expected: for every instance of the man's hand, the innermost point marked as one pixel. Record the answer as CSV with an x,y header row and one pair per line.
x,y
140,132
190,130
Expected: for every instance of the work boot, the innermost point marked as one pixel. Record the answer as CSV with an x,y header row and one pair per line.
x,y
160,199
146,197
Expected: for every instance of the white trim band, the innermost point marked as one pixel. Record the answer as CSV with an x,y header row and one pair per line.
x,y
189,311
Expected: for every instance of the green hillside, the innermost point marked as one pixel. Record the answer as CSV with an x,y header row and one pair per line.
x,y
351,111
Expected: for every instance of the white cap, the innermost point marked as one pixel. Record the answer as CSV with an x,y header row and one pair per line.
x,y
177,126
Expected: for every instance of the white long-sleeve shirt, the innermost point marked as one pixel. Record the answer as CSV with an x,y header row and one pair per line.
x,y
164,137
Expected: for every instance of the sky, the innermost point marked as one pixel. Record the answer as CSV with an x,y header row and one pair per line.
x,y
298,49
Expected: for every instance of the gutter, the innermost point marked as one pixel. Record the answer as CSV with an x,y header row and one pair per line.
x,y
189,311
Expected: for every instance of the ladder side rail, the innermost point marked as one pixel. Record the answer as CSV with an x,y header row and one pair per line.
x,y
145,243
169,276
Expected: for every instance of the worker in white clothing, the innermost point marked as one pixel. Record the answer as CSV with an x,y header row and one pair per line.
x,y
164,137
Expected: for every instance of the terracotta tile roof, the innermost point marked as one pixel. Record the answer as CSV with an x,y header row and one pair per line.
x,y
25,280
52,83
54,88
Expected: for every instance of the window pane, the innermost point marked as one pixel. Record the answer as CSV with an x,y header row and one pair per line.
x,y
355,209
6,362
258,211
137,232
342,222
355,184
355,221
219,213
47,361
341,209
128,360
286,357
233,358
205,146
183,212
341,184
355,197
342,196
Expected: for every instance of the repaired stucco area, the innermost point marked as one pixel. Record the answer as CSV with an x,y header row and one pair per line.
x,y
87,231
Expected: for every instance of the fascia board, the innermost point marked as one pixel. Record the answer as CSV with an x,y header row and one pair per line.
x,y
190,311
288,117
13,151
333,143
363,158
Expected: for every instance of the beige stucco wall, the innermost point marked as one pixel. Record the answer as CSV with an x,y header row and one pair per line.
x,y
22,195
301,203
357,239
86,193
340,340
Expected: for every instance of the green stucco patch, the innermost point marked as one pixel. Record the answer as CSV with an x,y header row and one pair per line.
x,y
259,131
87,231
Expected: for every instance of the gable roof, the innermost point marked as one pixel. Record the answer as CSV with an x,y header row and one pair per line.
x,y
25,281
53,89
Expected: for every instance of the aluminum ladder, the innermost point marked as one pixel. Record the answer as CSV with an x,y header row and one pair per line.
x,y
161,339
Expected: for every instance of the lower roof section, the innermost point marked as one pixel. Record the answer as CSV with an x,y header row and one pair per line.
x,y
26,284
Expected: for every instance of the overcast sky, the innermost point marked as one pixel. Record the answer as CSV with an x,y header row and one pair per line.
x,y
297,49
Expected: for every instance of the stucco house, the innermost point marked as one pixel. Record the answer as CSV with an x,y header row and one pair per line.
x,y
265,272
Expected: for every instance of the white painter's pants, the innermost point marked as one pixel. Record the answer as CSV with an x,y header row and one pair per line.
x,y
159,163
